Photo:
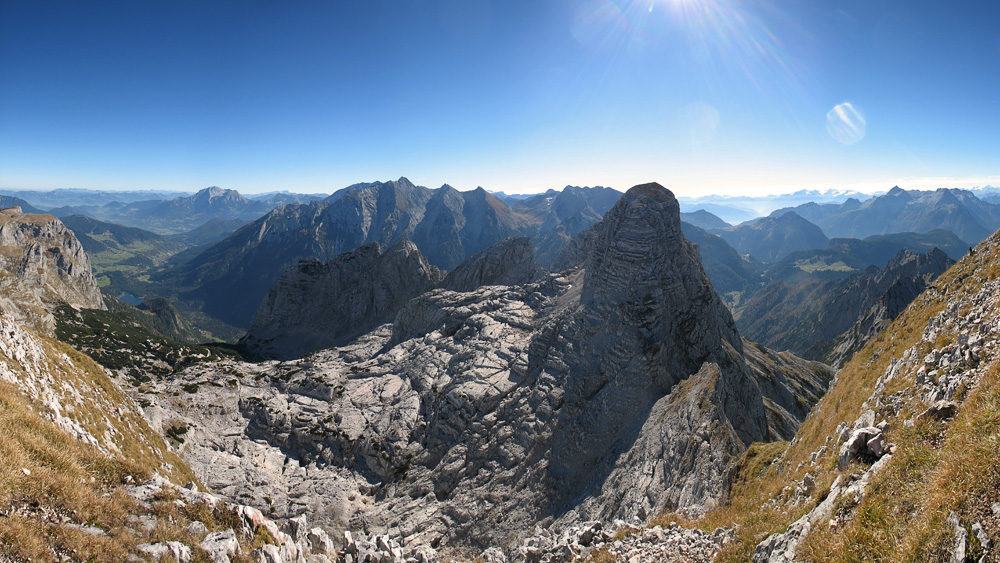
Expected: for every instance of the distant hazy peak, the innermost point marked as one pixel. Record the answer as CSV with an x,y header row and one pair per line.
x,y
214,192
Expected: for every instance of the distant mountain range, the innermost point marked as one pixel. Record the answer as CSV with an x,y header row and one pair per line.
x,y
811,318
228,280
737,209
233,249
11,201
160,212
81,197
959,211
898,213
182,214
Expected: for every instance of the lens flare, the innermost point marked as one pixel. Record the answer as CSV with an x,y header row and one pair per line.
x,y
598,22
845,124
701,121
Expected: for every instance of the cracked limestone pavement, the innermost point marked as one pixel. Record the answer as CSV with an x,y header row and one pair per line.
x,y
618,390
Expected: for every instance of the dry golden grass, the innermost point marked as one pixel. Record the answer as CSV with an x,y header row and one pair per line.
x,y
937,468
133,436
49,479
755,482
64,479
601,556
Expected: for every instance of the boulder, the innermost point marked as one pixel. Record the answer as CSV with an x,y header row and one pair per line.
x,y
180,552
493,555
319,542
858,444
220,545
940,410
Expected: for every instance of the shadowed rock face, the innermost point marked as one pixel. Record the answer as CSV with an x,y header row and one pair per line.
x,y
877,300
508,262
613,391
316,305
648,320
642,270
42,265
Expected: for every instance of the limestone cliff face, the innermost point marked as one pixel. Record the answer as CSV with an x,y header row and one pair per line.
x,y
613,391
508,262
41,265
316,305
641,271
648,320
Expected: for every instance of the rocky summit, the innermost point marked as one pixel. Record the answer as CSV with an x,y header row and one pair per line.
x,y
508,262
612,391
316,305
42,265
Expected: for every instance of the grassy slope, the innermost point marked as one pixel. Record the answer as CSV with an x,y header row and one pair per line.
x,y
50,481
938,467
56,374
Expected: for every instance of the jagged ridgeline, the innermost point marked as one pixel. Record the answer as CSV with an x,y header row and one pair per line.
x,y
618,388
316,305
228,280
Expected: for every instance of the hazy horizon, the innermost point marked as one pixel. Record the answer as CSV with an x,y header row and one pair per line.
x,y
870,189
703,96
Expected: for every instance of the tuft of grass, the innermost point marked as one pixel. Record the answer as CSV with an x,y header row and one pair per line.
x,y
601,556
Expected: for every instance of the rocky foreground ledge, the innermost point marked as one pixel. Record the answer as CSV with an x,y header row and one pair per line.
x,y
589,541
292,542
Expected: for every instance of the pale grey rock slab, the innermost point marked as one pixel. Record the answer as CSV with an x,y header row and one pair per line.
x,y
609,392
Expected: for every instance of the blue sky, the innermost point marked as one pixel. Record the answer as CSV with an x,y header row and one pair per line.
x,y
703,96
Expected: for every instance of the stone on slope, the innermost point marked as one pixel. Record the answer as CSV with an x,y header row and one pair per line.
x,y
178,551
221,545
